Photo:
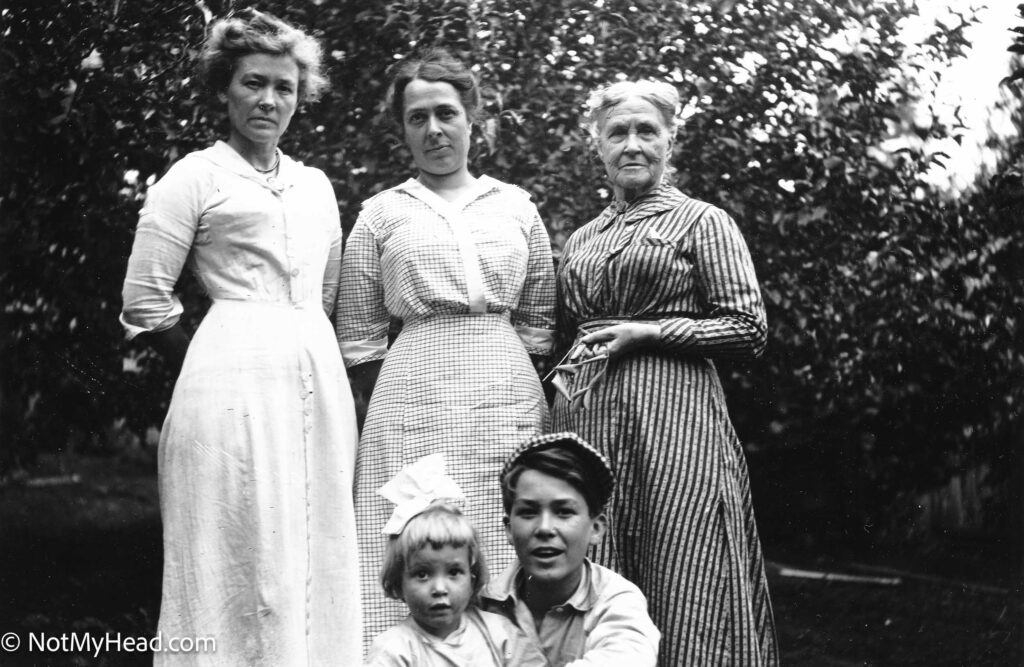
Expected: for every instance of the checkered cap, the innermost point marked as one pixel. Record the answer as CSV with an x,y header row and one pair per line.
x,y
598,465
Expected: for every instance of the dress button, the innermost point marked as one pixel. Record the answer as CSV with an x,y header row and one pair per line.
x,y
295,272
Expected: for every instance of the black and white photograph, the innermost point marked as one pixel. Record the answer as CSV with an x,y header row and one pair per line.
x,y
528,333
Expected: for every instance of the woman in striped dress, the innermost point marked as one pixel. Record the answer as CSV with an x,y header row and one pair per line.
x,y
651,292
465,264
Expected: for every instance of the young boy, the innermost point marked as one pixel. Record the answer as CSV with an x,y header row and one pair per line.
x,y
554,488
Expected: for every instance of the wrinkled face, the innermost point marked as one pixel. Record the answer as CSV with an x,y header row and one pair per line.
x,y
634,145
436,127
550,527
437,586
262,97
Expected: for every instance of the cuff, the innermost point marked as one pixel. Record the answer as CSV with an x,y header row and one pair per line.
x,y
676,333
133,330
536,341
361,351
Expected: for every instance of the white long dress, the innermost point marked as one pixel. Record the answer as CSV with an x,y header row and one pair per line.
x,y
257,452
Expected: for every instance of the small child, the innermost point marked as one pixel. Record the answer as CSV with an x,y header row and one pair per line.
x,y
433,562
554,489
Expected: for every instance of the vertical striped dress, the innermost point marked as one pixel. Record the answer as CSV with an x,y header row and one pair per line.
x,y
681,521
473,284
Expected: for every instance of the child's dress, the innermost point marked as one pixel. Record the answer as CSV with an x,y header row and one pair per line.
x,y
483,639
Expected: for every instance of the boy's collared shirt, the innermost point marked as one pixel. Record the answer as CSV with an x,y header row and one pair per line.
x,y
604,623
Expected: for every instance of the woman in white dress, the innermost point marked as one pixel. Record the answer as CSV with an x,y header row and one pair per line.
x,y
257,452
465,263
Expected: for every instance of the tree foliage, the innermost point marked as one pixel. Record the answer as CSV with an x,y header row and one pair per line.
x,y
894,317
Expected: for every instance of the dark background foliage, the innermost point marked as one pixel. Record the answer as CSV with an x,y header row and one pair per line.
x,y
894,361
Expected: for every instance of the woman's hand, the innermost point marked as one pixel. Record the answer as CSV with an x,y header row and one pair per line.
x,y
171,344
619,339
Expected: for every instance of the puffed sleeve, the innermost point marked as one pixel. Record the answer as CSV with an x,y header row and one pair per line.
x,y
361,317
332,272
534,315
163,240
735,325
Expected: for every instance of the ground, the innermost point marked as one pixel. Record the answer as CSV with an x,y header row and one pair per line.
x,y
81,555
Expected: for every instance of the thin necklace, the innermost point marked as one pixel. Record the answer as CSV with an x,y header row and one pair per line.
x,y
272,169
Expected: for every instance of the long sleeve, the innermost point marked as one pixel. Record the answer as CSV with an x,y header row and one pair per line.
x,y
534,316
565,323
163,239
620,632
735,324
361,317
332,272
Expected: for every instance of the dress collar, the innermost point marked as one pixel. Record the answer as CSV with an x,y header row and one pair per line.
x,y
661,198
226,157
482,186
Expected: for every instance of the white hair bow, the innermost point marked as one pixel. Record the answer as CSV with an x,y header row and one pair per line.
x,y
415,487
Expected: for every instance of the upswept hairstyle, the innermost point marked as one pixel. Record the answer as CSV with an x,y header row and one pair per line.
x,y
251,31
440,525
663,96
561,462
432,64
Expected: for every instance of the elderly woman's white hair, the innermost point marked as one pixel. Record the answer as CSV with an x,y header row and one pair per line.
x,y
663,96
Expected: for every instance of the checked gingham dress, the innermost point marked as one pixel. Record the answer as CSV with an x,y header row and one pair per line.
x,y
473,284
681,520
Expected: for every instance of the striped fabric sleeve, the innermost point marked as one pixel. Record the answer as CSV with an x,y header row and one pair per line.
x,y
565,323
534,315
361,318
735,326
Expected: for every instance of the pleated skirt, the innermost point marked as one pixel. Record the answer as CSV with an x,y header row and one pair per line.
x,y
681,521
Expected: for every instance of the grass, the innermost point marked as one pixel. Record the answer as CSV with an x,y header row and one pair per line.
x,y
85,557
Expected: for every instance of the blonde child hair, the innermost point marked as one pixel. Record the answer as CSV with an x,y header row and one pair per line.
x,y
440,525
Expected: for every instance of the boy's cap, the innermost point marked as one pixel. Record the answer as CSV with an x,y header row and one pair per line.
x,y
604,479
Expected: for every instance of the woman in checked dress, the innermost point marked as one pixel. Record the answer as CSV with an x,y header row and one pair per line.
x,y
257,452
651,292
465,263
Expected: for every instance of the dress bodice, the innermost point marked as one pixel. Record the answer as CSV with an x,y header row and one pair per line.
x,y
244,236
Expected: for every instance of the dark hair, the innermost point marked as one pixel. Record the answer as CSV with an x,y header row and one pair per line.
x,y
251,31
562,463
433,64
440,525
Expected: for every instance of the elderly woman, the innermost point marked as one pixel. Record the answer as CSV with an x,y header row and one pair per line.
x,y
465,263
651,292
257,453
